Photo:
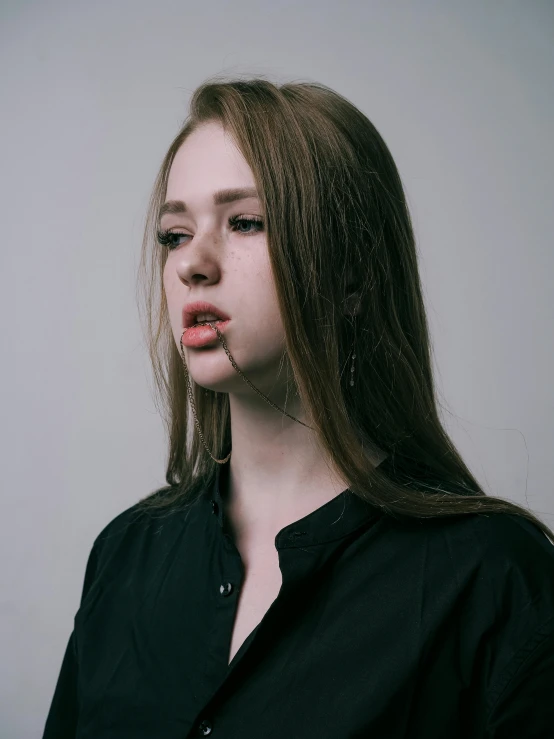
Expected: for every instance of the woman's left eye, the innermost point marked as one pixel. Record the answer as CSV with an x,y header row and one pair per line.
x,y
237,224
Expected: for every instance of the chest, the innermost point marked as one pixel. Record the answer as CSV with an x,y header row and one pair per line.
x,y
260,588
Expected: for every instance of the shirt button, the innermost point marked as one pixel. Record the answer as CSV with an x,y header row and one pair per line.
x,y
204,728
215,507
226,589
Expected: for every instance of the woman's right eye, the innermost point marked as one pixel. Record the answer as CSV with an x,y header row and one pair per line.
x,y
169,238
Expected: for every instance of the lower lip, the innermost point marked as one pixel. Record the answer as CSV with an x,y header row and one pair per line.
x,y
202,335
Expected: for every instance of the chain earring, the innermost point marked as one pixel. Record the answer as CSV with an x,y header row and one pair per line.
x,y
353,354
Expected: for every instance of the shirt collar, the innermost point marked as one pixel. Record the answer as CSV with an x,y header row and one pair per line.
x,y
337,518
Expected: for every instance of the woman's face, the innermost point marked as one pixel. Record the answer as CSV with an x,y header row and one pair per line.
x,y
226,264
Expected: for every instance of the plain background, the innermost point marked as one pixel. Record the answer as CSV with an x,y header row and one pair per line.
x,y
91,96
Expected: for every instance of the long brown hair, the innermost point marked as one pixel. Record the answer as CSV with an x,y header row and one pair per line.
x,y
337,223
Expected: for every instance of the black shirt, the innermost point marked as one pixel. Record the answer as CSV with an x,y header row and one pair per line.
x,y
427,629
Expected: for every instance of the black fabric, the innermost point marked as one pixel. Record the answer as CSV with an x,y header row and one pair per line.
x,y
384,629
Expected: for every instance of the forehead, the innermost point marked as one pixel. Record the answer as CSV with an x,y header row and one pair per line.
x,y
208,159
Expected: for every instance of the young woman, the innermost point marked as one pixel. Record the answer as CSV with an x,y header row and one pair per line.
x,y
321,563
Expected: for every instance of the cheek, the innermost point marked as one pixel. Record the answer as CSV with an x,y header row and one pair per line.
x,y
171,299
169,284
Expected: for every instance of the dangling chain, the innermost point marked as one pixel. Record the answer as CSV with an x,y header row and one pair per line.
x,y
353,354
191,397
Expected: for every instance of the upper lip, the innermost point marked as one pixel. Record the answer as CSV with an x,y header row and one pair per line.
x,y
191,310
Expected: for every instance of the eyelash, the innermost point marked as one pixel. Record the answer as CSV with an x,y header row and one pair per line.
x,y
165,237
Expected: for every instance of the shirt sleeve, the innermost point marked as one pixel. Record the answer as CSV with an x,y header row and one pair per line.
x,y
524,702
61,722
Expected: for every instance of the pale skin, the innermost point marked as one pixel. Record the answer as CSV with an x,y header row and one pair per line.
x,y
277,472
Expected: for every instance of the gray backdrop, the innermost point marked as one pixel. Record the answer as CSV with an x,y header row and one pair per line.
x,y
91,95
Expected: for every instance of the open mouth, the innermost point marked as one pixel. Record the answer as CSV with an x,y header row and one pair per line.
x,y
205,323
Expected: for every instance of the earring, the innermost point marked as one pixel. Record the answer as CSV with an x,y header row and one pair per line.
x,y
353,356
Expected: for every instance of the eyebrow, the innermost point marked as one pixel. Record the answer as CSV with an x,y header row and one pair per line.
x,y
221,197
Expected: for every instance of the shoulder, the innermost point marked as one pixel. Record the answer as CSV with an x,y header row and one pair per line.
x,y
494,539
138,536
495,571
515,561
516,602
505,550
502,567
488,580
141,521
507,543
514,532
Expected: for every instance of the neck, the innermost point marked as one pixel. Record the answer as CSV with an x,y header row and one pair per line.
x,y
260,501
277,473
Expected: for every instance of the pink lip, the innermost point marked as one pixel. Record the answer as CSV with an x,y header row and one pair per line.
x,y
202,335
191,310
